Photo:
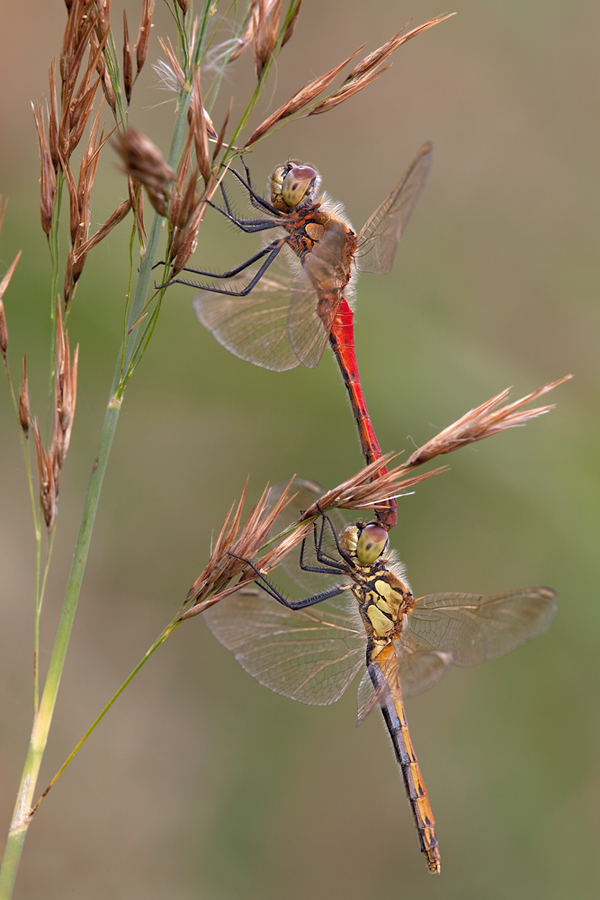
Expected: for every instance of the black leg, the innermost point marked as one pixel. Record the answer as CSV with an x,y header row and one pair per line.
x,y
272,591
272,250
328,566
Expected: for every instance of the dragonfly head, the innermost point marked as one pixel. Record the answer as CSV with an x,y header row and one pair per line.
x,y
364,542
293,185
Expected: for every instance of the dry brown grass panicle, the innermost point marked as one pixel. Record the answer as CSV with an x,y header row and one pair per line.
x,y
299,100
362,75
378,56
482,422
223,567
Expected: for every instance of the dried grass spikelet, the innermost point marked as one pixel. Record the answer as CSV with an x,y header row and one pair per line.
x,y
364,73
200,130
378,56
299,100
346,91
483,422
48,173
3,332
143,41
53,118
136,198
247,36
222,568
65,394
183,5
119,214
174,70
127,61
3,286
46,478
360,492
185,237
266,20
24,407
144,164
102,19
80,204
291,25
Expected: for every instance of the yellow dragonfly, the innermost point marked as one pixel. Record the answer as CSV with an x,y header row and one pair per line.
x,y
366,619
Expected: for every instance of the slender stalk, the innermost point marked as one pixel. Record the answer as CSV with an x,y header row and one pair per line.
x,y
43,716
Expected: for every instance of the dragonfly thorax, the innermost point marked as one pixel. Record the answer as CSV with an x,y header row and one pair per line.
x,y
293,185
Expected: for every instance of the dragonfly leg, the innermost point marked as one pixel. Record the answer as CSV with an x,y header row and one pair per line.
x,y
255,199
247,225
272,250
320,552
272,591
328,565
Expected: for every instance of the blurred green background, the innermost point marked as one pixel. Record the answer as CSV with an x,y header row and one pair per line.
x,y
201,783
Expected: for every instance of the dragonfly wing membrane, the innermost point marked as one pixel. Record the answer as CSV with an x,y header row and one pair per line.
x,y
476,627
310,655
318,293
253,328
380,235
308,334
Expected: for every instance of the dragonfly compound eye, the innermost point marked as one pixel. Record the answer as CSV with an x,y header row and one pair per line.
x,y
371,544
298,185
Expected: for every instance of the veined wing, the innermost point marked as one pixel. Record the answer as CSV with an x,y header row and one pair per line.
x,y
458,629
380,235
317,295
475,627
412,668
310,655
253,328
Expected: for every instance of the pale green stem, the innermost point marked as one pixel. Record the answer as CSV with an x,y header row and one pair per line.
x,y
126,361
43,718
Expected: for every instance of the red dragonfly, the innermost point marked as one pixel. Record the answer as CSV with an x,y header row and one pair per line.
x,y
280,321
369,622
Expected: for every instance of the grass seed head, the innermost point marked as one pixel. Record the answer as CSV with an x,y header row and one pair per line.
x,y
48,174
144,164
24,408
127,61
143,41
3,331
299,100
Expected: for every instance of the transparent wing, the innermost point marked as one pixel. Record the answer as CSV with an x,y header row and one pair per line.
x,y
380,235
317,295
310,655
308,333
413,667
474,627
254,328
306,494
